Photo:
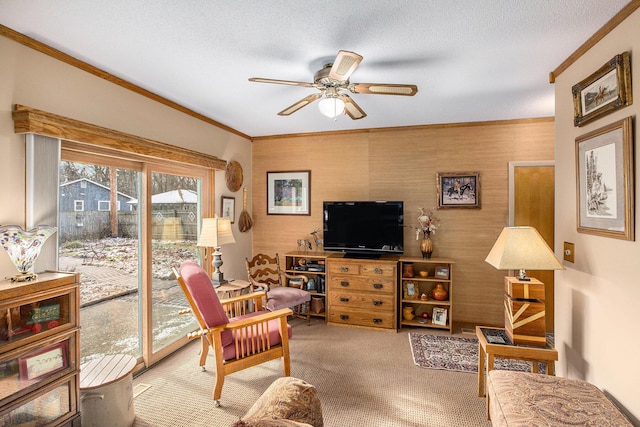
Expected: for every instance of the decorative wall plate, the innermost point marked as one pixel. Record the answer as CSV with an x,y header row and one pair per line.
x,y
233,175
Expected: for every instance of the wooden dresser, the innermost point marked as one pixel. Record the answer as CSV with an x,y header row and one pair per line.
x,y
362,292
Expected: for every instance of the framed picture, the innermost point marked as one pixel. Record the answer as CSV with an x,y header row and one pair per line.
x,y
289,193
228,208
44,362
439,316
410,290
441,272
458,190
604,91
605,181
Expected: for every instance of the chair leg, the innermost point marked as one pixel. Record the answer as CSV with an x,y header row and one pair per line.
x,y
308,312
203,353
217,390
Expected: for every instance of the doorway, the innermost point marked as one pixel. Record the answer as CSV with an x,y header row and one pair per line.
x,y
531,202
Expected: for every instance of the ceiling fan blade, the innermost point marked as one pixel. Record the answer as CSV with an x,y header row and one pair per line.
x,y
344,65
352,109
298,105
280,82
384,89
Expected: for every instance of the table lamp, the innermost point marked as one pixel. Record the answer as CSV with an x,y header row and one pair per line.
x,y
522,248
215,233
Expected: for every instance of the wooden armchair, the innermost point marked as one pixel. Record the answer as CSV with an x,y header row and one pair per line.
x,y
264,272
240,339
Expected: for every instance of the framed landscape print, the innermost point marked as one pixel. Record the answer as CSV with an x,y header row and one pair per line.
x,y
458,190
288,193
604,91
605,181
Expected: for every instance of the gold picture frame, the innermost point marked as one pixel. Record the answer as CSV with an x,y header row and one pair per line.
x,y
604,91
606,181
458,190
410,290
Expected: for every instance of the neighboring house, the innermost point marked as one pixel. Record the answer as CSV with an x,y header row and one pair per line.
x,y
84,195
179,200
174,215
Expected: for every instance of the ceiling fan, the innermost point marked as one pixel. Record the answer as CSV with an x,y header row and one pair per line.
x,y
331,80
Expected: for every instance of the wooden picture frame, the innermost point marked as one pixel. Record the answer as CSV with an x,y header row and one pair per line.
x,y
439,316
44,362
604,91
605,181
458,190
441,272
411,290
289,193
228,208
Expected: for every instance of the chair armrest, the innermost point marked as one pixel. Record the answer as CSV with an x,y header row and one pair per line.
x,y
244,297
305,279
265,317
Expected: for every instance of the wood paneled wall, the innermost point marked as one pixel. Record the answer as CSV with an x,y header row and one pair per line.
x,y
401,164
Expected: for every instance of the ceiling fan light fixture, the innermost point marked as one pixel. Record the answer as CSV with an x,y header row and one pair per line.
x,y
331,107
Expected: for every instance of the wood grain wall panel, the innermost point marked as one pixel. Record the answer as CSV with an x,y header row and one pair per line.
x,y
401,164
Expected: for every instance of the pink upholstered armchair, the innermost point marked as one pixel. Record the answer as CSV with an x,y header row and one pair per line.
x,y
240,339
264,272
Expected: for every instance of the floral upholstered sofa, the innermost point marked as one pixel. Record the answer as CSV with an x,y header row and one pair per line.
x,y
526,399
287,402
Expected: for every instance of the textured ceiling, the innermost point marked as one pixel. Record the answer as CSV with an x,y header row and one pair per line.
x,y
472,60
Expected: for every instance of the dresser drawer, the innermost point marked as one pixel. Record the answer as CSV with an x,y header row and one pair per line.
x,y
361,300
361,283
344,267
378,270
361,317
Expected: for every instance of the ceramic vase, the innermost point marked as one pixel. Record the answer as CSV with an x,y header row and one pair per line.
x,y
426,247
407,270
407,313
439,293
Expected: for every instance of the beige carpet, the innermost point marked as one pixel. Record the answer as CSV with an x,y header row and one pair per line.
x,y
363,378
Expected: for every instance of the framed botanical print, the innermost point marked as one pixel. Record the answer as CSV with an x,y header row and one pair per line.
x,y
228,208
288,193
605,181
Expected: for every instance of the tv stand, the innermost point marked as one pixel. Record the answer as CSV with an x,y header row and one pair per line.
x,y
361,255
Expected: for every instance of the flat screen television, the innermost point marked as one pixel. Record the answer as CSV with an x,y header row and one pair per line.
x,y
363,228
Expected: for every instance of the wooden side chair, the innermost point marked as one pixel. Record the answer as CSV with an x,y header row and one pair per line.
x,y
240,339
264,272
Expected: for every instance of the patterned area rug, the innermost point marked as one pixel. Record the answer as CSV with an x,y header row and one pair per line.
x,y
456,354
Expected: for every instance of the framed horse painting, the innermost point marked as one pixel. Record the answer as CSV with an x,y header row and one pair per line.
x,y
458,190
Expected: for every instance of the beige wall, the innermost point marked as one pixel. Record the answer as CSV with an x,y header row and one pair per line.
x,y
402,165
597,298
30,78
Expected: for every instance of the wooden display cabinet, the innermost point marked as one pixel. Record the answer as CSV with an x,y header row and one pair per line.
x,y
313,266
40,351
412,288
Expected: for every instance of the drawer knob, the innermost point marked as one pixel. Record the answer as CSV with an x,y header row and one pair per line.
x,y
377,321
344,269
344,317
343,299
377,285
344,283
377,303
377,270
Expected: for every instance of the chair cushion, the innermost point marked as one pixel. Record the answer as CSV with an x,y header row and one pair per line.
x,y
203,293
285,297
229,349
287,398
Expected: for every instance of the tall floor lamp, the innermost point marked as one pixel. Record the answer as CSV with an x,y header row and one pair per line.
x,y
523,248
215,233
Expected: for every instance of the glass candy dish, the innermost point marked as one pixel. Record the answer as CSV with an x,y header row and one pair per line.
x,y
23,247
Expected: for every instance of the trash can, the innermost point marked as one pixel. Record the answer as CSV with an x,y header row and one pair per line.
x,y
106,391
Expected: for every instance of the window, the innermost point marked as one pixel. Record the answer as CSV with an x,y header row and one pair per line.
x,y
78,205
105,205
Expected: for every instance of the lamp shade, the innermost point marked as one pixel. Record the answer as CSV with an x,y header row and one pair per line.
x,y
215,232
522,248
331,106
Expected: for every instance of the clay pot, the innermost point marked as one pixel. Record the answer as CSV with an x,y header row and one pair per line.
x,y
439,293
407,270
407,313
